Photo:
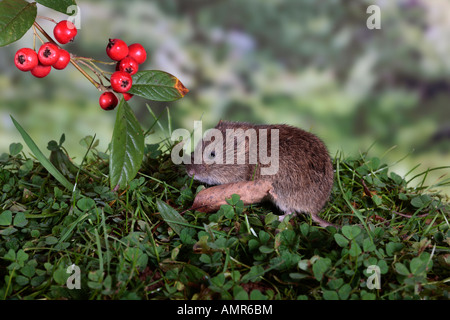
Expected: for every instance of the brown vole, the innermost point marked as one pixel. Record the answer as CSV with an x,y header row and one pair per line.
x,y
296,162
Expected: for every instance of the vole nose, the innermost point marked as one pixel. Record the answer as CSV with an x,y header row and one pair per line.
x,y
190,171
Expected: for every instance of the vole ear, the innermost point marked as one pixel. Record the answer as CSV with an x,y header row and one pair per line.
x,y
221,123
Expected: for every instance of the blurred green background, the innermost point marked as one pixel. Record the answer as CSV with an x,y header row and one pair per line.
x,y
312,64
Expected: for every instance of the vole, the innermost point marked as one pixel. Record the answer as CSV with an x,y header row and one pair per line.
x,y
296,162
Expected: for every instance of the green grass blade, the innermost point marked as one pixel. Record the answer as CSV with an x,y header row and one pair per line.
x,y
41,157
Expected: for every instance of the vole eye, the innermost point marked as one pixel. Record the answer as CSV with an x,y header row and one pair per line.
x,y
213,154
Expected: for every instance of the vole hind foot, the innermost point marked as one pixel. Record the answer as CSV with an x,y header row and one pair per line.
x,y
314,217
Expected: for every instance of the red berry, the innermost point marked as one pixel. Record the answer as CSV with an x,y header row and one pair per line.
x,y
127,96
116,49
129,65
48,54
26,59
108,100
63,60
121,81
40,71
137,52
65,31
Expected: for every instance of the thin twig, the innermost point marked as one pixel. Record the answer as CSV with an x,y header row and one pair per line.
x,y
47,18
84,73
410,216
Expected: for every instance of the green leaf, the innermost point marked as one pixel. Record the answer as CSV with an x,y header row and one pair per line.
x,y
10,255
341,240
171,216
51,240
60,276
368,245
257,295
127,147
304,228
5,218
58,5
344,291
418,265
401,269
157,86
393,247
377,200
41,157
21,280
266,249
22,257
16,18
264,237
421,201
85,204
20,220
351,232
355,249
320,266
8,231
335,283
28,270
330,295
239,293
15,148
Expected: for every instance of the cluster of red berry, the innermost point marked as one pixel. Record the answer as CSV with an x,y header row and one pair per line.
x,y
129,58
49,55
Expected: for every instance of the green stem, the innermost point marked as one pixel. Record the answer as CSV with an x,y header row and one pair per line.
x,y
84,73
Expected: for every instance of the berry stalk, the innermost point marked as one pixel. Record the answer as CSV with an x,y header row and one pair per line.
x,y
84,73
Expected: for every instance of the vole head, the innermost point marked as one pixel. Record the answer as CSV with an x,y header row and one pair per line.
x,y
223,154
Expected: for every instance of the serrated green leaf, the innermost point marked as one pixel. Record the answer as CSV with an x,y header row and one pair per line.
x,y
16,18
58,5
157,85
127,147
